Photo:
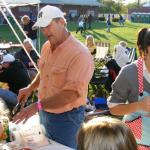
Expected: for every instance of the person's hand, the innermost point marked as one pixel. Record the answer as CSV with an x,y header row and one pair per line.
x,y
26,32
30,64
24,94
25,114
145,104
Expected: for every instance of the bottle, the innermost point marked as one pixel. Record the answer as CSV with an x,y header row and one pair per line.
x,y
4,121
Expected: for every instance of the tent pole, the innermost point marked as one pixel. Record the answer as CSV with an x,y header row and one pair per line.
x,y
1,10
39,34
8,9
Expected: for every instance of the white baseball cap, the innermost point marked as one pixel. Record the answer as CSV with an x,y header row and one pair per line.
x,y
46,15
7,58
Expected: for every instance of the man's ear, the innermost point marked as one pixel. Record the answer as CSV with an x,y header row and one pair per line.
x,y
62,21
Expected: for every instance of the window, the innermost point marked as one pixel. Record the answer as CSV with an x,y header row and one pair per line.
x,y
73,13
24,9
91,12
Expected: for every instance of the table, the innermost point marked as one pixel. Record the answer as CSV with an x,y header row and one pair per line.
x,y
55,146
52,146
30,130
6,46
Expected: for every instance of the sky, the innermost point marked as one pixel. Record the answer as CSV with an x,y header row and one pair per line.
x,y
129,1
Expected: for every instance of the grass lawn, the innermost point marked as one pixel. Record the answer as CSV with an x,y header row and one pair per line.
x,y
127,33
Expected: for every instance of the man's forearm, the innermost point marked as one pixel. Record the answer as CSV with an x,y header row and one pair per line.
x,y
59,100
123,109
35,83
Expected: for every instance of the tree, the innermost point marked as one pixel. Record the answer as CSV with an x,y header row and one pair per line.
x,y
138,3
134,5
111,6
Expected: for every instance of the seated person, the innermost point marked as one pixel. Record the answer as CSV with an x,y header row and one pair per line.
x,y
90,43
14,73
105,133
121,57
21,55
124,44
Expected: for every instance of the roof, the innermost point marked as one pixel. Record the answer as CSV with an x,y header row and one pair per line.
x,y
60,2
73,2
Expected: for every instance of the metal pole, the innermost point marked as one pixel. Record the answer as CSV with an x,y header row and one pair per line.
x,y
39,33
8,9
18,38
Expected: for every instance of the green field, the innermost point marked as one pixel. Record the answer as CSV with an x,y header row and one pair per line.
x,y
127,33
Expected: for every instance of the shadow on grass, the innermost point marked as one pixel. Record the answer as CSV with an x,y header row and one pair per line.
x,y
121,38
72,26
97,35
129,25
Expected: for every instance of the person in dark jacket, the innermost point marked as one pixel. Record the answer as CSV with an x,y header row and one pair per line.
x,y
21,55
114,69
27,27
14,73
108,22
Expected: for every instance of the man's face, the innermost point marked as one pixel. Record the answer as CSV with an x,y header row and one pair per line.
x,y
26,21
53,32
28,46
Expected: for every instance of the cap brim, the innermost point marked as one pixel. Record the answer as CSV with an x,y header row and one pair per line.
x,y
40,23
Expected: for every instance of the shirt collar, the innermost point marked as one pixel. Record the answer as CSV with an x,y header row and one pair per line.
x,y
65,43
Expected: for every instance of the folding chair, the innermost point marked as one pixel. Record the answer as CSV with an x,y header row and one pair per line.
x,y
132,55
101,50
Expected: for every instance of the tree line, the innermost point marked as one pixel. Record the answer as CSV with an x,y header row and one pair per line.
x,y
117,6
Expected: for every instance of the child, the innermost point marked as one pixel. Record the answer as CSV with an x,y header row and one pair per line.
x,y
90,43
80,26
105,133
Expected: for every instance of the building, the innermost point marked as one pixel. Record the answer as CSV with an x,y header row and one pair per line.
x,y
141,14
72,8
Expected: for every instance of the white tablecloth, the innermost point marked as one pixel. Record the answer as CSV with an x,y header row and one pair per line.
x,y
54,146
31,129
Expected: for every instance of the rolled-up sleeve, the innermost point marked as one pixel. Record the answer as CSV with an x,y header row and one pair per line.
x,y
79,73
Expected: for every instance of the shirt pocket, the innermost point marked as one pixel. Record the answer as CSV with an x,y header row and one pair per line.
x,y
58,77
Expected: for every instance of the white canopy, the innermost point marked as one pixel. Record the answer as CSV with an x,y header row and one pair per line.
x,y
14,3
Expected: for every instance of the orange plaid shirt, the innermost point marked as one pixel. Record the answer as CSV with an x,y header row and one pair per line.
x,y
69,67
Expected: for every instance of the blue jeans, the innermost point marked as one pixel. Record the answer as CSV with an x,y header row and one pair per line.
x,y
63,127
9,97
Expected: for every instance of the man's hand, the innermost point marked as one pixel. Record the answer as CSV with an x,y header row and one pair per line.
x,y
24,94
25,114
